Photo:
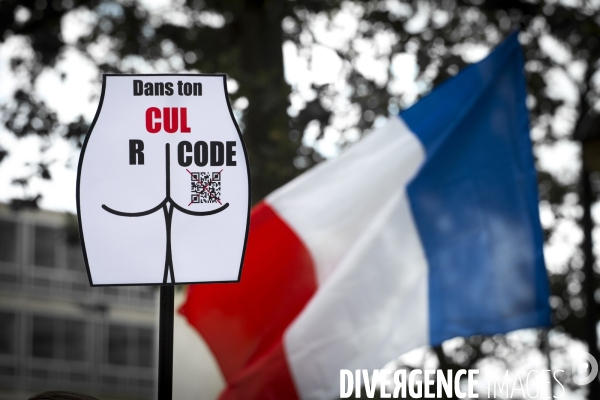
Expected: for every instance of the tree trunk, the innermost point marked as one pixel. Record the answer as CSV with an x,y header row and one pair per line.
x,y
270,150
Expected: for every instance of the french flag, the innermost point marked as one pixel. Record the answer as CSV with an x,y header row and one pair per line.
x,y
424,230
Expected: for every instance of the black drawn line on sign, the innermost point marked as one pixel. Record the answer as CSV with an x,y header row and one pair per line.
x,y
135,214
167,206
168,255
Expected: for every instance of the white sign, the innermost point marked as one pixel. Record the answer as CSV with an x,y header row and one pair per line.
x,y
163,184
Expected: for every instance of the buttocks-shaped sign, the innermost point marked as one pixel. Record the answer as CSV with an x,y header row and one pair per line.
x,y
163,183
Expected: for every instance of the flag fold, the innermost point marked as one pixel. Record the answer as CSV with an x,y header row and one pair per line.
x,y
424,230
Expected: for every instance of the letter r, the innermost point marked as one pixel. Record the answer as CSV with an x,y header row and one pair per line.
x,y
136,152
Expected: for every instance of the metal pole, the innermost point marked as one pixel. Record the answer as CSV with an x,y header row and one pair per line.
x,y
590,277
165,343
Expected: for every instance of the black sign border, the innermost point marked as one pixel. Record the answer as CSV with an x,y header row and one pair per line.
x,y
82,154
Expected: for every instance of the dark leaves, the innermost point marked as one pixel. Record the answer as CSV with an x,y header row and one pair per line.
x,y
77,130
26,115
26,203
43,171
3,154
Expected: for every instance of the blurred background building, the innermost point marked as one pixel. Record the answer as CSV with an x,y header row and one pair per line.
x,y
57,332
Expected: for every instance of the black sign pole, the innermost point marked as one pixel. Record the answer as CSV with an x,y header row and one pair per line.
x,y
165,343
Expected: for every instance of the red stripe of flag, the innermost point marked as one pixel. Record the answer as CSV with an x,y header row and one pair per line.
x,y
243,323
266,379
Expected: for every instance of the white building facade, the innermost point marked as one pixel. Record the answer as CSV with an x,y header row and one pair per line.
x,y
57,332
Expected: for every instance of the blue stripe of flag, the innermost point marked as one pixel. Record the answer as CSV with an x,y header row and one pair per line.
x,y
475,201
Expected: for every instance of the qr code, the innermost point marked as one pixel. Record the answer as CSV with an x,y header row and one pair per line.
x,y
206,187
